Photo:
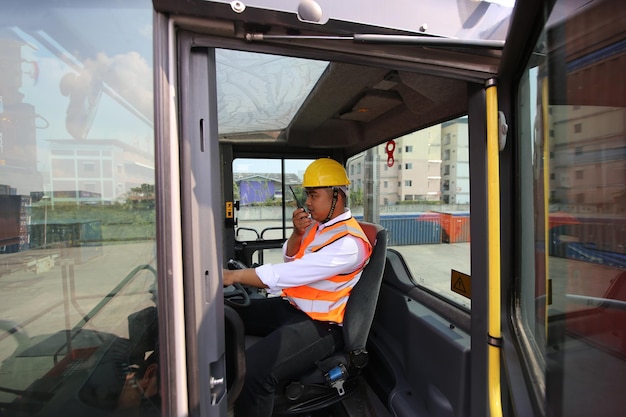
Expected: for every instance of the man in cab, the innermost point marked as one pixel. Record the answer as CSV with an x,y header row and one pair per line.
x,y
323,260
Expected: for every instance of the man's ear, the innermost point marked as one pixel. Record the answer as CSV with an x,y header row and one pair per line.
x,y
344,198
150,381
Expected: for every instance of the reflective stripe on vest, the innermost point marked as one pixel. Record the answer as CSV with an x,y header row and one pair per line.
x,y
325,300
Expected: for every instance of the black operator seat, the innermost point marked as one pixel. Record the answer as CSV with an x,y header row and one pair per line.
x,y
337,376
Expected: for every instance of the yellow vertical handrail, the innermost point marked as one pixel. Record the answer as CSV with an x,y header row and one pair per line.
x,y
546,196
493,233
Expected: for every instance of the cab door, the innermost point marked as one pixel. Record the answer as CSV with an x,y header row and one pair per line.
x,y
190,220
565,210
201,218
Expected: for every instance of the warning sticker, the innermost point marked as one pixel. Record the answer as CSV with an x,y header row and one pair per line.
x,y
461,283
229,210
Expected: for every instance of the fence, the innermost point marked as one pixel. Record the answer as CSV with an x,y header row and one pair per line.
x,y
426,228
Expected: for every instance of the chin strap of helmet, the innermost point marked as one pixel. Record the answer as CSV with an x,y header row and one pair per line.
x,y
333,204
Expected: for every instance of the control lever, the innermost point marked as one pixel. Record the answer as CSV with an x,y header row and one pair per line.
x,y
233,264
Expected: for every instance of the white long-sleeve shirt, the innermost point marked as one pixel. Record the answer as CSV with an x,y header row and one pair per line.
x,y
342,256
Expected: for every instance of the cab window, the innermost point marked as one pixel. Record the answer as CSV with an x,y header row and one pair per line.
x,y
572,270
78,283
417,187
267,196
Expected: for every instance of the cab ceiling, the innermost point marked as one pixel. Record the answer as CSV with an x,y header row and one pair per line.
x,y
356,107
368,95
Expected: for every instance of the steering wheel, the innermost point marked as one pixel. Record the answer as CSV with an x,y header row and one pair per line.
x,y
236,295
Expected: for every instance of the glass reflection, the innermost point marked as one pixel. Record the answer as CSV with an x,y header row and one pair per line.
x,y
77,216
573,287
261,93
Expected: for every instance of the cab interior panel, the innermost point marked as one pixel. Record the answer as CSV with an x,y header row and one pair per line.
x,y
420,354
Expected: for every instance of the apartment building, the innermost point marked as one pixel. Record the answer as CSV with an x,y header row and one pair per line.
x,y
582,137
428,165
455,162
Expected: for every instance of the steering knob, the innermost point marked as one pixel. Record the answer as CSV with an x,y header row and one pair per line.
x,y
235,264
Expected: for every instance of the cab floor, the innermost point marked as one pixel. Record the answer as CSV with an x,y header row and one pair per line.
x,y
363,403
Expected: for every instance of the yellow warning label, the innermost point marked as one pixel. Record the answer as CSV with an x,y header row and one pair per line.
x,y
229,210
461,283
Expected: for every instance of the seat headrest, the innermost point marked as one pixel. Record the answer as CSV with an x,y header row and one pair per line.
x,y
370,230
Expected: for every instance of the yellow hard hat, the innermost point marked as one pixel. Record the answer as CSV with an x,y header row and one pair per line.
x,y
325,172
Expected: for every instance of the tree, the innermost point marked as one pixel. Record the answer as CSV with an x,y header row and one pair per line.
x,y
142,197
356,198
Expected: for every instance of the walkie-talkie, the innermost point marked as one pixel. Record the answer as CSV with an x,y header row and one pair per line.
x,y
295,197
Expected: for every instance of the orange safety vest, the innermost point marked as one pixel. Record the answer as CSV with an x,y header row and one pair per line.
x,y
325,300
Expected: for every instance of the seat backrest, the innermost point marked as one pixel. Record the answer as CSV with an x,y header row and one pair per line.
x,y
361,305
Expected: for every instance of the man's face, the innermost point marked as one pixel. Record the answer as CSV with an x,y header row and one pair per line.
x,y
318,202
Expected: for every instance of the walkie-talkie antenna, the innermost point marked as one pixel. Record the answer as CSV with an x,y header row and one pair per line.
x,y
295,197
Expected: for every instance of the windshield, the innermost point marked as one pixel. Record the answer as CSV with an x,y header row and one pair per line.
x,y
258,92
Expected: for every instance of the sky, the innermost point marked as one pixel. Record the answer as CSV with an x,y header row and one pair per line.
x,y
122,58
258,166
